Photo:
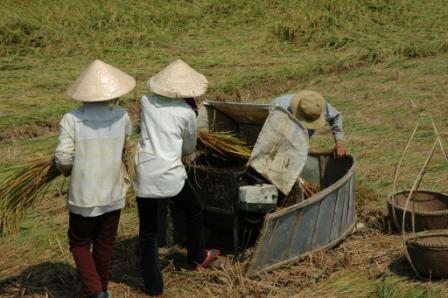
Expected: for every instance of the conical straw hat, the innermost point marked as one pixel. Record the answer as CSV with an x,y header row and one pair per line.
x,y
100,82
178,80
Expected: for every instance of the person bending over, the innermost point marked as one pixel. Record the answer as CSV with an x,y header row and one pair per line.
x,y
312,111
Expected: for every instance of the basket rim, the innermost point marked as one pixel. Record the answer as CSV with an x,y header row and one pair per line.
x,y
413,240
423,213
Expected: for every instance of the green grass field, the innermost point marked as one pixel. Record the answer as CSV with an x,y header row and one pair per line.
x,y
379,62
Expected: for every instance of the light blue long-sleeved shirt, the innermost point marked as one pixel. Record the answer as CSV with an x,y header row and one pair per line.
x,y
333,116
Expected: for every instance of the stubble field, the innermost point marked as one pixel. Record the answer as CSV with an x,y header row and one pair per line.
x,y
381,63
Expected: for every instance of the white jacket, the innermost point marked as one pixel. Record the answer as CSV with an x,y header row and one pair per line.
x,y
168,130
91,142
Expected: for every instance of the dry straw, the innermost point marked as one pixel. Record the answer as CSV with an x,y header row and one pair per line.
x,y
224,144
21,187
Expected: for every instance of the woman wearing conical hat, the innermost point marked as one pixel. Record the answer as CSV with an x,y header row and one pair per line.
x,y
168,131
90,148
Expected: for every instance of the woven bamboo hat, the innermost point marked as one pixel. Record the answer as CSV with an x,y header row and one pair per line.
x,y
309,108
100,82
178,80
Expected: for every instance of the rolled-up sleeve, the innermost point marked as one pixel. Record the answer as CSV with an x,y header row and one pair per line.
x,y
189,134
334,118
65,150
283,101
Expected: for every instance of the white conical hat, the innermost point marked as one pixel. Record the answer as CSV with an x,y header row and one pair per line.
x,y
100,82
178,80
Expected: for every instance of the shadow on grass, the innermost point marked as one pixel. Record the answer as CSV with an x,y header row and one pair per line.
x,y
59,279
126,263
126,267
53,279
400,266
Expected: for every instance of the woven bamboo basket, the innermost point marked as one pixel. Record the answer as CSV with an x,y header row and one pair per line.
x,y
428,251
430,210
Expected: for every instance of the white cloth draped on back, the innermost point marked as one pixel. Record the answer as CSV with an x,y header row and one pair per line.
x,y
168,131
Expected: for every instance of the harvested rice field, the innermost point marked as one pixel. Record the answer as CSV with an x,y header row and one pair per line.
x,y
381,63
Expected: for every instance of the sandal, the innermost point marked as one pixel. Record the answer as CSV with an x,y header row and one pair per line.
x,y
210,256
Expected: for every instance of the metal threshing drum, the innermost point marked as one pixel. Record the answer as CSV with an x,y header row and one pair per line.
x,y
429,253
430,210
280,156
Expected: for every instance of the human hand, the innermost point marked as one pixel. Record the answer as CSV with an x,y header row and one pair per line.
x,y
306,187
339,150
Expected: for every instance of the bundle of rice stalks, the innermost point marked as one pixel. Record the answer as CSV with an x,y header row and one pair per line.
x,y
21,187
129,163
25,183
224,144
129,158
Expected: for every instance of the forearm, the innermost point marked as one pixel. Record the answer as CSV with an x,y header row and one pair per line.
x,y
190,135
65,151
334,118
189,145
64,163
338,134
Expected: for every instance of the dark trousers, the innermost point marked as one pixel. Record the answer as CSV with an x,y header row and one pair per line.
x,y
99,234
147,212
